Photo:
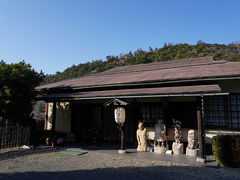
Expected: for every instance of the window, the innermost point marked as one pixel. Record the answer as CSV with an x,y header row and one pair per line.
x,y
233,111
150,113
184,112
222,111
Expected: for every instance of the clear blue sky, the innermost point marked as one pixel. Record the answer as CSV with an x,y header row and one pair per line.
x,y
52,35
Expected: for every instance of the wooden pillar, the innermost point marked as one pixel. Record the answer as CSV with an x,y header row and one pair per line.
x,y
46,116
201,157
54,116
122,149
122,139
73,107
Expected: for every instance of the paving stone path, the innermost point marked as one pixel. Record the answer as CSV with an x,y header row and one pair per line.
x,y
50,164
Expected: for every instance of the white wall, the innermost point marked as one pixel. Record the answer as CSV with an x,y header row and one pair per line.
x,y
211,133
49,116
63,117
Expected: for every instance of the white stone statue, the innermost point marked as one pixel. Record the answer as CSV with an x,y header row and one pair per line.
x,y
160,132
141,137
191,148
191,139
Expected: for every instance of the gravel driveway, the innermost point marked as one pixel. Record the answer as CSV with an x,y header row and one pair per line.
x,y
49,164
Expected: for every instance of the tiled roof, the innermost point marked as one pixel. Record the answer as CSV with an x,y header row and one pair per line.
x,y
198,68
163,91
163,65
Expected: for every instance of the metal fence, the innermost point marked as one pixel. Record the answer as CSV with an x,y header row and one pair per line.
x,y
14,136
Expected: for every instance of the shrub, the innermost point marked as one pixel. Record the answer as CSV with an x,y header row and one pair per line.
x,y
226,150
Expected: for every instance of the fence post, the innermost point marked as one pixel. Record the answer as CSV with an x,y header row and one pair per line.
x,y
28,135
4,137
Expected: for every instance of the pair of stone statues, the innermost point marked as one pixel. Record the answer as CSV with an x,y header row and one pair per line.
x,y
160,132
177,146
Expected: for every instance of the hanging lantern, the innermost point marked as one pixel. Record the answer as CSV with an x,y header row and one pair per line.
x,y
119,114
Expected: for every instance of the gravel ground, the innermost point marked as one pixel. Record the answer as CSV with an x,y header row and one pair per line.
x,y
49,164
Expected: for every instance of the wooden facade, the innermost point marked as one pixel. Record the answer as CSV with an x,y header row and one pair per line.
x,y
202,93
95,122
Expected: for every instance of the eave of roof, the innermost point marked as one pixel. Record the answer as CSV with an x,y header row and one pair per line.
x,y
134,93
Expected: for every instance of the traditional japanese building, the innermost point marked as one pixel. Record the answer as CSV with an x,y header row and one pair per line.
x,y
202,93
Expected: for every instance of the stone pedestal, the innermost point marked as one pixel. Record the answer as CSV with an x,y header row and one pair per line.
x,y
177,148
168,152
142,147
160,149
121,151
192,152
201,160
149,149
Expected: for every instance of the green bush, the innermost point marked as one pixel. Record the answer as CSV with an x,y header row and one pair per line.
x,y
226,150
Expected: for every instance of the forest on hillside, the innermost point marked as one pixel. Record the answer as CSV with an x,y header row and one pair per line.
x,y
230,52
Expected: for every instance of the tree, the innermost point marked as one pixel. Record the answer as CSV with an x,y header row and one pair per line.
x,y
150,49
130,59
200,42
17,91
168,52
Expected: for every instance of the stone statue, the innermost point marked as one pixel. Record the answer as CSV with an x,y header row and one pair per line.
x,y
177,131
191,149
160,132
141,137
191,139
177,146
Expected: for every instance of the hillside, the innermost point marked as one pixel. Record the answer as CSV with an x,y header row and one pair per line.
x,y
169,52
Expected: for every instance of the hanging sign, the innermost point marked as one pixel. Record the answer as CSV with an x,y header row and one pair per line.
x,y
119,115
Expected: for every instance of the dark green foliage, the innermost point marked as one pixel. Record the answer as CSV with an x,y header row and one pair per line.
x,y
229,52
226,150
17,91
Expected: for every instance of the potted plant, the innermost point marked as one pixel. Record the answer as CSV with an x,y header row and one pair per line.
x,y
59,141
48,141
54,141
53,144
